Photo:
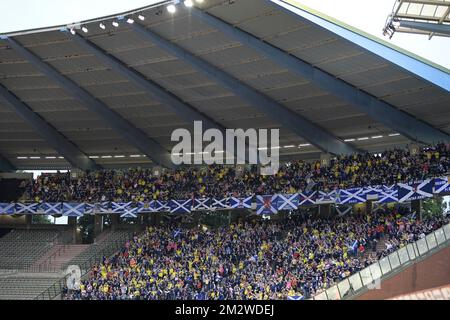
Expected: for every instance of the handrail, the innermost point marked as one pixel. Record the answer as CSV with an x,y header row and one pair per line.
x,y
57,288
372,275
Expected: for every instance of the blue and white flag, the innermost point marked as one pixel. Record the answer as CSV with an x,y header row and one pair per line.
x,y
372,193
180,206
104,207
130,212
441,185
91,208
120,207
351,196
218,204
388,194
342,211
27,208
201,204
73,209
415,190
288,201
7,208
51,208
241,203
296,298
266,204
160,206
326,197
307,198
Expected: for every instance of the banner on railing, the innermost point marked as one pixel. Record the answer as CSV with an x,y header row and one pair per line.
x,y
441,185
415,190
267,204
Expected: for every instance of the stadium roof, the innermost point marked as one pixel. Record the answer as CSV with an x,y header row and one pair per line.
x,y
425,17
111,97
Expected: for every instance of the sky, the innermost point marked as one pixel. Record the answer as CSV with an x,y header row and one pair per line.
x,y
368,15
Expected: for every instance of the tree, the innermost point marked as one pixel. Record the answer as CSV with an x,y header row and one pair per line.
x,y
433,207
40,219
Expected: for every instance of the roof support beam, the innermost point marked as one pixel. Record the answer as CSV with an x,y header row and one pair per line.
x,y
123,127
382,112
184,110
5,165
424,26
288,118
53,137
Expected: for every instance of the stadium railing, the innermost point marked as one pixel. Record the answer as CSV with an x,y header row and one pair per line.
x,y
372,276
57,288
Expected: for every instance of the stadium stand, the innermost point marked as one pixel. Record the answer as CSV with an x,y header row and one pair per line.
x,y
357,170
259,260
19,249
101,99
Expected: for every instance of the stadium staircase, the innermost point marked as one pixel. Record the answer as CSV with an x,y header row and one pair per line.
x,y
108,244
57,258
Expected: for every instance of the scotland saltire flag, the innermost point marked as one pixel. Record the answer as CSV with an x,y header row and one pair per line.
x,y
91,208
415,191
130,212
372,193
159,206
296,298
241,203
266,204
351,196
342,211
307,198
73,209
288,201
51,208
326,197
441,185
104,207
120,207
27,208
180,206
219,203
7,208
388,194
201,204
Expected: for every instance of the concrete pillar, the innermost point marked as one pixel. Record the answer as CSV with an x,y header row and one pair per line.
x,y
98,225
416,206
72,223
369,207
29,220
324,210
114,221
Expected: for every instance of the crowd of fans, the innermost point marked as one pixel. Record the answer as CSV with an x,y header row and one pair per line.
x,y
298,256
220,181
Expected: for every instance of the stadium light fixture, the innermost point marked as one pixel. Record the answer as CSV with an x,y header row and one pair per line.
x,y
35,158
119,156
102,26
349,140
363,138
141,17
22,158
85,30
290,146
135,156
115,24
188,3
106,157
94,157
394,134
377,137
72,31
304,145
50,158
130,20
171,8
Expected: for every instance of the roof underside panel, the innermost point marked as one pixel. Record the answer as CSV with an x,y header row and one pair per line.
x,y
310,43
